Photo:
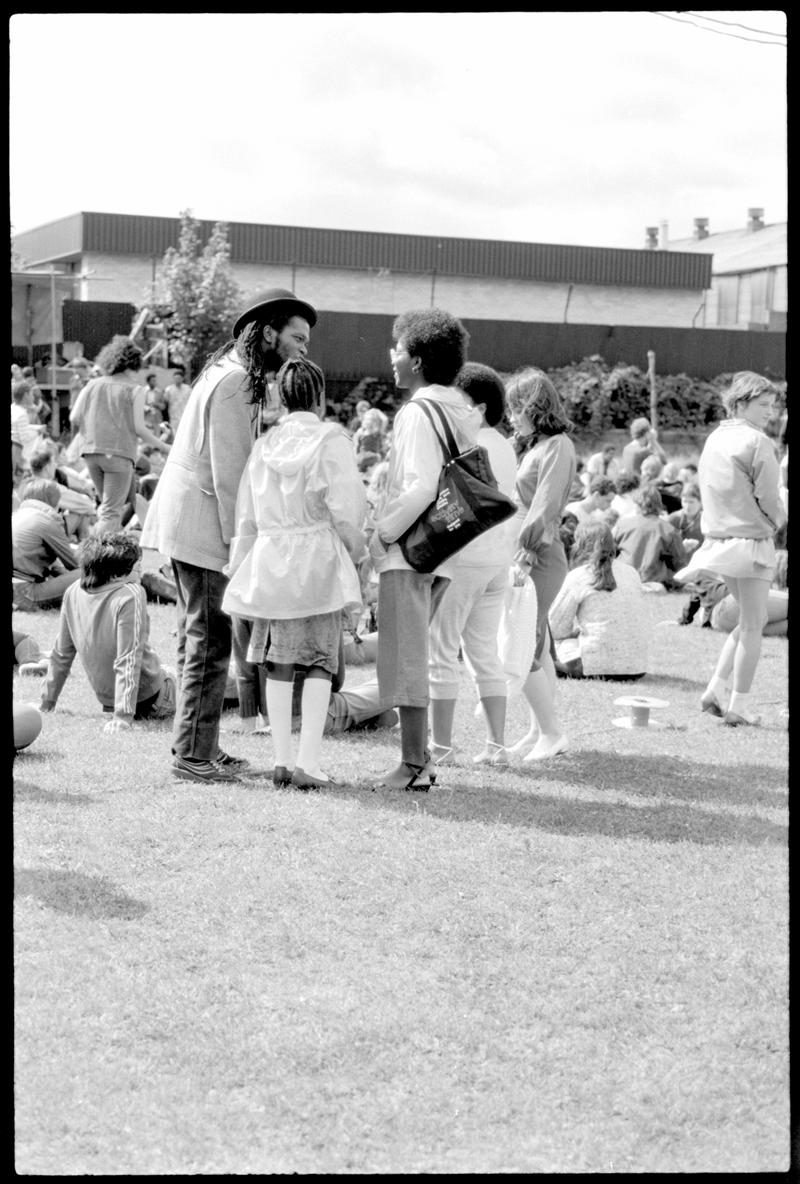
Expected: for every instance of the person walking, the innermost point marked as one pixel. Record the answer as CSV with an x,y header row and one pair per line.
x,y
430,349
110,414
299,519
739,487
547,465
191,518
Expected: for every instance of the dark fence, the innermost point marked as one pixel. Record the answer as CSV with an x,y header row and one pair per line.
x,y
350,345
95,322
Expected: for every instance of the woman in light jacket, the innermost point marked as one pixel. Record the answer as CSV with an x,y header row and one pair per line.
x,y
546,470
739,482
299,517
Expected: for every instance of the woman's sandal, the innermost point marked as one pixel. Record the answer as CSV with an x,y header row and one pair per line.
x,y
441,754
407,776
493,754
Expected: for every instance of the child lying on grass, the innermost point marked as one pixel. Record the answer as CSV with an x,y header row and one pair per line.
x,y
104,620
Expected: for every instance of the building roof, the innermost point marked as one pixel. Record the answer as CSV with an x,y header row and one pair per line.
x,y
86,232
740,250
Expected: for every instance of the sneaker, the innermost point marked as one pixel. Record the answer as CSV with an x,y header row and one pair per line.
x,y
187,769
234,763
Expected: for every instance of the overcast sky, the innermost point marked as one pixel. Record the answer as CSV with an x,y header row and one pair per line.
x,y
554,127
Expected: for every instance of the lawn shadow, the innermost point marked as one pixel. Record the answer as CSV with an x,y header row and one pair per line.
x,y
76,894
671,680
526,802
28,792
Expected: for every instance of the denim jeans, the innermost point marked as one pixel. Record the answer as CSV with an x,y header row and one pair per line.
x,y
111,476
204,651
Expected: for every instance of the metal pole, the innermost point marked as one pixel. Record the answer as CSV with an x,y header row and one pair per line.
x,y
55,409
651,370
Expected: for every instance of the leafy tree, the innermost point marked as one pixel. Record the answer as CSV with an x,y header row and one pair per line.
x,y
197,298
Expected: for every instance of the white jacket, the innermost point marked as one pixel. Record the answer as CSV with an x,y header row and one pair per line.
x,y
415,462
300,510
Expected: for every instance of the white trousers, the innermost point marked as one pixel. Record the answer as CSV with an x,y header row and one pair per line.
x,y
469,616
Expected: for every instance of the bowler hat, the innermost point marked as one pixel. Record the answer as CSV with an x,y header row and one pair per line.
x,y
274,302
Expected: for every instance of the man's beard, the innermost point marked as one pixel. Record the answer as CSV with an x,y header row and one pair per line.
x,y
272,361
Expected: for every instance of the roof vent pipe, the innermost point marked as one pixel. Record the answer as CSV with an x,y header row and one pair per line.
x,y
701,228
755,218
663,234
651,243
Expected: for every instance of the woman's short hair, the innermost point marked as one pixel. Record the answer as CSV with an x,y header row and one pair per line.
x,y
437,338
691,489
626,481
19,390
654,467
602,485
40,456
40,489
745,387
120,354
531,393
484,385
107,557
301,385
639,427
648,499
595,548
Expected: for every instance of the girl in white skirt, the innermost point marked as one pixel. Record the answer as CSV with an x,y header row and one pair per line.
x,y
739,482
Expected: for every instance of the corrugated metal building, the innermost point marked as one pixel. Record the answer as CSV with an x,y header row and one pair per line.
x,y
114,257
522,302
749,273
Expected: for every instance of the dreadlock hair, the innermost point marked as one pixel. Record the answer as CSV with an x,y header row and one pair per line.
x,y
259,360
594,547
106,557
301,385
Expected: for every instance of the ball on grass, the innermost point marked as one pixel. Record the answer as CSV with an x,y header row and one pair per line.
x,y
27,724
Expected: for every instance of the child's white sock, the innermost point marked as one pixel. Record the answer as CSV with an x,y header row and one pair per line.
x,y
316,697
279,706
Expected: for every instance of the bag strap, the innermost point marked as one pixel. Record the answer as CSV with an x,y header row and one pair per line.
x,y
451,445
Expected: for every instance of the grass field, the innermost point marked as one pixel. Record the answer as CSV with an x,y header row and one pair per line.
x,y
581,967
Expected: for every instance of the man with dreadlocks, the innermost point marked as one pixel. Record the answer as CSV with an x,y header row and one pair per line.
x,y
191,518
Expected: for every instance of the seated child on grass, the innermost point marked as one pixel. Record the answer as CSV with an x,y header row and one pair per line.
x,y
104,620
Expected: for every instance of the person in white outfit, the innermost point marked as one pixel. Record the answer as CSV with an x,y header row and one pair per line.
x,y
299,515
739,487
469,613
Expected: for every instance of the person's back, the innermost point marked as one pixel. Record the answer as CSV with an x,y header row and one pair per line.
x,y
38,532
612,626
651,545
300,510
104,621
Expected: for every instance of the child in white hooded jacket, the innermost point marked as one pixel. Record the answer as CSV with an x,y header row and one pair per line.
x,y
299,517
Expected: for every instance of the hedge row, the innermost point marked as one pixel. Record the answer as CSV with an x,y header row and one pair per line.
x,y
599,397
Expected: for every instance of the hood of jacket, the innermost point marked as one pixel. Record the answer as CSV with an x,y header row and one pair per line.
x,y
294,442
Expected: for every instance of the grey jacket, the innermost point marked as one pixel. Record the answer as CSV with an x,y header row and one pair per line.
x,y
192,515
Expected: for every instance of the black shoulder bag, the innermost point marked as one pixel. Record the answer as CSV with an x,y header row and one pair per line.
x,y
467,503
